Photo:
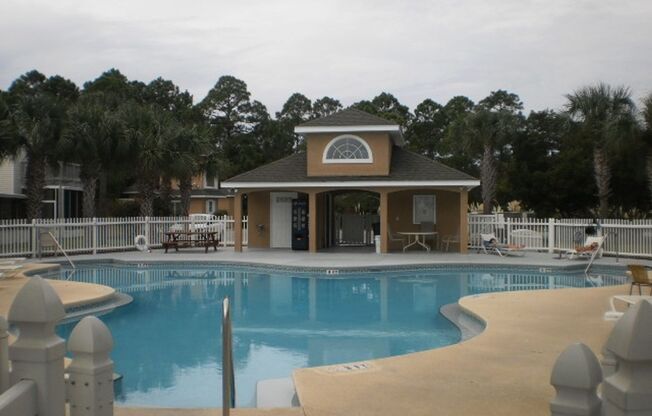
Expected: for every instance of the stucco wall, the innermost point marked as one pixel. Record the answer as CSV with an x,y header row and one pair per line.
x,y
225,204
258,212
198,205
381,149
447,207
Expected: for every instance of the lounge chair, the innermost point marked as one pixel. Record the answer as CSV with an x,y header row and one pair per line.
x,y
613,314
590,249
490,245
639,278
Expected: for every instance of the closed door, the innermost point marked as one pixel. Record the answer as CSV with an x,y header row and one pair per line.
x,y
281,219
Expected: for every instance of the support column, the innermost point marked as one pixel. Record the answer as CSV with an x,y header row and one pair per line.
x,y
464,222
237,222
384,221
312,221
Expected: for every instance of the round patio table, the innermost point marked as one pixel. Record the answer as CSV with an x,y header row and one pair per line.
x,y
419,238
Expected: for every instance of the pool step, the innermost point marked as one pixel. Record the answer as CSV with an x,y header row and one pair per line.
x,y
468,325
276,392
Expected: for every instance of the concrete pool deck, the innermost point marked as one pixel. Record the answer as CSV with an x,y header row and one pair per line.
x,y
72,294
503,371
345,258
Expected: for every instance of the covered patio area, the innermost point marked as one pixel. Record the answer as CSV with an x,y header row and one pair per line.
x,y
281,218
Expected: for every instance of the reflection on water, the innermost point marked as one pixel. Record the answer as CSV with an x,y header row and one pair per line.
x,y
167,342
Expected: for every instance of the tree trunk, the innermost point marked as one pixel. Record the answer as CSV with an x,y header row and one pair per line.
x,y
35,184
147,190
166,192
602,172
89,184
488,176
185,189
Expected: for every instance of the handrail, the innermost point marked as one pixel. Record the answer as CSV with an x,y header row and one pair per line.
x,y
228,378
594,254
61,248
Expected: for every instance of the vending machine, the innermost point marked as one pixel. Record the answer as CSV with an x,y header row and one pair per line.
x,y
300,224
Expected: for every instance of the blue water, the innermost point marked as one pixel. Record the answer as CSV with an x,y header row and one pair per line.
x,y
168,345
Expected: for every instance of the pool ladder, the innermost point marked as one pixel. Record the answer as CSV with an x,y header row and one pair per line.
x,y
228,377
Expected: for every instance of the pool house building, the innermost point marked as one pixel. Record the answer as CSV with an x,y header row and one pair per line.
x,y
290,202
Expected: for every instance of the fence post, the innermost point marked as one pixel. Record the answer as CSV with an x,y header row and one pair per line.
x,y
4,355
551,235
147,228
90,383
94,235
509,230
576,376
37,354
34,242
629,390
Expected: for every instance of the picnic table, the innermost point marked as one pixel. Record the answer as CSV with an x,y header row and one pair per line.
x,y
181,239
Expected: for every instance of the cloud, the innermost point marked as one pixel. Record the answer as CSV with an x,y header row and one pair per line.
x,y
350,50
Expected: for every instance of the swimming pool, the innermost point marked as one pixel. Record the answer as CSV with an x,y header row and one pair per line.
x,y
168,346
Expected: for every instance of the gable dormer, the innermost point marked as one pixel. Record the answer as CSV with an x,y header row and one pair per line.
x,y
349,143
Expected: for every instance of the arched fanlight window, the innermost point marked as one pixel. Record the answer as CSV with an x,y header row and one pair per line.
x,y
347,149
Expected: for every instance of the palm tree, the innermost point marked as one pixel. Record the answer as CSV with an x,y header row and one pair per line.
x,y
482,132
191,153
148,130
37,121
90,138
647,136
606,115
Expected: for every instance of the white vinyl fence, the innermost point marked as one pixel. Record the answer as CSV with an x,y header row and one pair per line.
x,y
93,235
624,237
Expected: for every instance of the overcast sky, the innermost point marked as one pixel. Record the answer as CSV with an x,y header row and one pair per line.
x,y
346,49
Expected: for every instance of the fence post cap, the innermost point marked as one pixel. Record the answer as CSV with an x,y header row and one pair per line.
x,y
631,338
577,367
36,301
90,336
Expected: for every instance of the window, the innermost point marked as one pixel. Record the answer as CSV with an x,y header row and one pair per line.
x,y
211,181
210,206
347,149
424,209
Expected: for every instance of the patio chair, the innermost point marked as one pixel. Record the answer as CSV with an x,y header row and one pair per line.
x,y
450,238
428,227
639,278
395,237
590,249
490,245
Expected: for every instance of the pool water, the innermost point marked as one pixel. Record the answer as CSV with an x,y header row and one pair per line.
x,y
168,341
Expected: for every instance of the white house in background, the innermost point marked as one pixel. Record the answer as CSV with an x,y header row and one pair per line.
x,y
63,190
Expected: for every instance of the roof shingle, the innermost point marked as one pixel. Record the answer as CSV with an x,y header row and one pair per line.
x,y
347,118
405,166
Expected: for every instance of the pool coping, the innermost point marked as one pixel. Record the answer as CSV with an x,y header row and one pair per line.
x,y
335,271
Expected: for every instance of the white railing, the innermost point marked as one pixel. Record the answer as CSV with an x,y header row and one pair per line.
x,y
625,237
94,235
624,371
34,381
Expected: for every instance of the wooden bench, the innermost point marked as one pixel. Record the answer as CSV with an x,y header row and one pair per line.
x,y
182,239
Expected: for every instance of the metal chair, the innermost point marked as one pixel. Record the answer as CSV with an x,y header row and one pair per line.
x,y
639,278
